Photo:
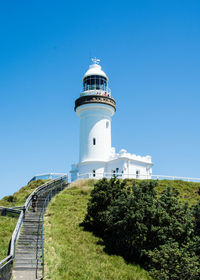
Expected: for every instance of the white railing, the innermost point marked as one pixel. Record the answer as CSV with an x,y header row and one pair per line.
x,y
47,176
98,175
96,92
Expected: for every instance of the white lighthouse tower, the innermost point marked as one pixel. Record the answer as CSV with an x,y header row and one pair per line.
x,y
95,108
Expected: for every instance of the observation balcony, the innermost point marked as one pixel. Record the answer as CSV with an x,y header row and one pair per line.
x,y
106,92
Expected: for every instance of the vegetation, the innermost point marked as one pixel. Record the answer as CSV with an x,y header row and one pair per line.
x,y
72,253
155,229
8,223
7,226
19,198
187,191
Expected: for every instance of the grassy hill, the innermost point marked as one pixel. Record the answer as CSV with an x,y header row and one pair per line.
x,y
72,253
19,197
7,223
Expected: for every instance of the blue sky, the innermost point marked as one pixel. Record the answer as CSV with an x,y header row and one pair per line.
x,y
149,50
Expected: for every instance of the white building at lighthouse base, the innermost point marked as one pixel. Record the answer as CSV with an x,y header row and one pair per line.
x,y
123,165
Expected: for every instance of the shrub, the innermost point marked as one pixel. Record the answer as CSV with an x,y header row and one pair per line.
x,y
129,221
158,232
172,262
105,192
10,198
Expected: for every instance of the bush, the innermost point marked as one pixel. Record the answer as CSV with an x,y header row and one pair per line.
x,y
129,221
170,261
10,198
158,232
105,192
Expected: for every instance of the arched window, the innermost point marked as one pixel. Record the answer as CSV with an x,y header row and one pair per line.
x,y
94,141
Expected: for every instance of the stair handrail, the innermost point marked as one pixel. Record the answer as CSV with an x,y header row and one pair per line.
x,y
27,204
10,210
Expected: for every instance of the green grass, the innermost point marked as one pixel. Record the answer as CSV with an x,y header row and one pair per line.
x,y
7,226
188,191
72,253
19,197
7,223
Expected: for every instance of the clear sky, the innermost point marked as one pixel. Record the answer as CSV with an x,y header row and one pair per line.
x,y
150,51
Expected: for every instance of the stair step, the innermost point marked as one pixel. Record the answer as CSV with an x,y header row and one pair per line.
x,y
20,242
27,255
30,244
26,267
28,261
30,237
30,252
30,233
34,221
32,227
36,247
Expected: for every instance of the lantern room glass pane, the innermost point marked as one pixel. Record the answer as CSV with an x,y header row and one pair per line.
x,y
95,83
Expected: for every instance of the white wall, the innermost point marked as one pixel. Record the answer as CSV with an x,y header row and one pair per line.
x,y
88,167
95,122
129,168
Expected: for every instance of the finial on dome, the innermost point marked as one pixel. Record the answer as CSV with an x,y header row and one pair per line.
x,y
95,60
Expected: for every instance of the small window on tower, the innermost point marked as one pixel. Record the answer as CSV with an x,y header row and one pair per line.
x,y
94,141
94,172
137,173
107,124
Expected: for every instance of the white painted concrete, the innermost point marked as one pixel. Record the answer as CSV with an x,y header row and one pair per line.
x,y
95,131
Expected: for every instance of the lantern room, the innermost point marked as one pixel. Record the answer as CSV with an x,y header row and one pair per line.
x,y
95,80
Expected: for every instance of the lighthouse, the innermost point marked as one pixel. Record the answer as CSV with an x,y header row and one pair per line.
x,y
95,108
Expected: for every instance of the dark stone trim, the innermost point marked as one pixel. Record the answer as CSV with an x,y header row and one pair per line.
x,y
87,99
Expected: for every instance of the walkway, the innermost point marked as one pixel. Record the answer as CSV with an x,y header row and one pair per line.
x,y
28,258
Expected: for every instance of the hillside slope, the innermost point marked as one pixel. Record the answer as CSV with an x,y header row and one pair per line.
x,y
72,253
19,197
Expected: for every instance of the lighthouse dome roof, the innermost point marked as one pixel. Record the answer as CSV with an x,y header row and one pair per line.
x,y
95,69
